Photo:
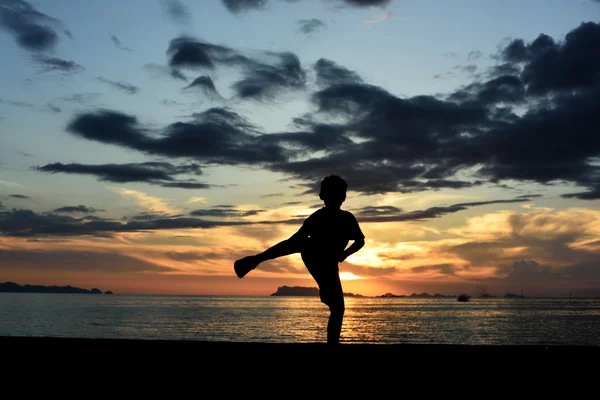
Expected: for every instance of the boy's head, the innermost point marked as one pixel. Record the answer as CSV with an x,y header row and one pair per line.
x,y
333,191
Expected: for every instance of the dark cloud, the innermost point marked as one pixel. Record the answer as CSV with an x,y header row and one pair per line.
x,y
32,30
592,194
423,142
224,212
205,85
330,73
393,214
503,89
53,64
272,195
187,256
76,261
535,125
550,66
312,25
236,6
19,196
123,86
446,269
217,136
177,11
311,137
27,223
76,209
262,77
264,81
165,71
155,173
118,43
187,52
53,107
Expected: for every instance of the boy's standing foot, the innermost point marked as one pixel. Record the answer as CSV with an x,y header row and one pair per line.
x,y
245,265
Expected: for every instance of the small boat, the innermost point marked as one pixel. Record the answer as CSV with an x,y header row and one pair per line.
x,y
463,297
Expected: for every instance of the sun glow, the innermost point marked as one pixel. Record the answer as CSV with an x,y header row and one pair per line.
x,y
349,276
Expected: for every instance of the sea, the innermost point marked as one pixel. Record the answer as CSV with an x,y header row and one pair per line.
x,y
271,319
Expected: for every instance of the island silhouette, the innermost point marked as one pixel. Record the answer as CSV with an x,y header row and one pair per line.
x,y
12,287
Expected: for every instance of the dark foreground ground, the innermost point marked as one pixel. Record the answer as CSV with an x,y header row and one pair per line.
x,y
178,350
162,368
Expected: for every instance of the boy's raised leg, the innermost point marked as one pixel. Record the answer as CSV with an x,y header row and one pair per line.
x,y
283,248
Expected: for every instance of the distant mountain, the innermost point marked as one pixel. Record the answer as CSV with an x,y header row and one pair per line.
x,y
304,291
392,295
11,287
429,296
512,296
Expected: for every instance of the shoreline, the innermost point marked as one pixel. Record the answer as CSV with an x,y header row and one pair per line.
x,y
31,345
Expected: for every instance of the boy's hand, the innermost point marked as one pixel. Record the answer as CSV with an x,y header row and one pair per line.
x,y
342,257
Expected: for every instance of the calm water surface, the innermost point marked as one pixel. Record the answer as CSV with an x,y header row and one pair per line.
x,y
301,319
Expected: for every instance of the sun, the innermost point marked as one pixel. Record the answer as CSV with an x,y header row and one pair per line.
x,y
349,276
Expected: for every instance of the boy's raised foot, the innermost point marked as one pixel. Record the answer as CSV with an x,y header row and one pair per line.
x,y
245,265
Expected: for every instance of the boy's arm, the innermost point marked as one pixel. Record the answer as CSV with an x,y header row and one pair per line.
x,y
354,247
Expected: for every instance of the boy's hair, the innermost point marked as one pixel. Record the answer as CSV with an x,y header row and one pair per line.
x,y
333,185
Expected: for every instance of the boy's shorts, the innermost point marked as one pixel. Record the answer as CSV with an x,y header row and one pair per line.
x,y
324,271
328,279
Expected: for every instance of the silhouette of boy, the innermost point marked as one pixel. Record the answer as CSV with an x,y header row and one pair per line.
x,y
321,241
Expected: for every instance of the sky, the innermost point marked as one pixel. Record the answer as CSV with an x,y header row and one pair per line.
x,y
145,145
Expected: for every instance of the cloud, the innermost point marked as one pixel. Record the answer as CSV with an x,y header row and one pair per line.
x,y
427,142
165,71
475,55
19,196
27,223
76,261
76,209
308,26
123,86
330,73
33,107
484,133
446,269
154,173
272,195
394,214
216,135
7,183
177,11
238,6
550,66
118,43
196,200
205,85
51,64
262,77
222,212
77,98
31,29
146,201
381,18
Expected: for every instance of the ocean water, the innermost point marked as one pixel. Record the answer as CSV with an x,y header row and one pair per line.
x,y
302,319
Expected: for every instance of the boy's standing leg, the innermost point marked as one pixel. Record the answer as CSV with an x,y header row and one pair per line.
x,y
331,293
336,310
